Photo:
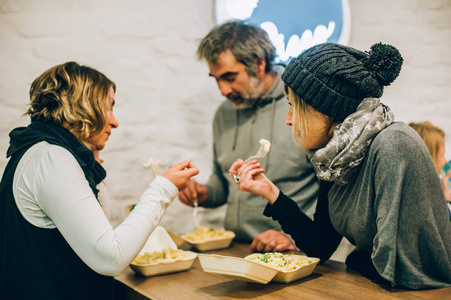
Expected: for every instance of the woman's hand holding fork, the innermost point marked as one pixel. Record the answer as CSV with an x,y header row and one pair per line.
x,y
253,180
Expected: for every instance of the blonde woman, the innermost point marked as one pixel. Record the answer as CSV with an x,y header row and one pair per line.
x,y
379,186
55,240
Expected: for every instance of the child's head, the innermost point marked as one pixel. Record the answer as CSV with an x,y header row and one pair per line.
x,y
434,138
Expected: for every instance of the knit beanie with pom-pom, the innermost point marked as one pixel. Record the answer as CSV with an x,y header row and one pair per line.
x,y
334,79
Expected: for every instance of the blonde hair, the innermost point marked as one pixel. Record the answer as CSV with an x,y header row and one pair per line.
x,y
433,137
72,95
300,111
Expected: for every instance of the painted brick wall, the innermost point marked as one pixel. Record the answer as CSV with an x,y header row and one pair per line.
x,y
165,100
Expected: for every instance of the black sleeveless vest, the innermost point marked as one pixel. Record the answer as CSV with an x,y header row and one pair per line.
x,y
38,263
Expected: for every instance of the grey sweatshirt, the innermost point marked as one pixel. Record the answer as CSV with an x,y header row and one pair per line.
x,y
236,134
395,209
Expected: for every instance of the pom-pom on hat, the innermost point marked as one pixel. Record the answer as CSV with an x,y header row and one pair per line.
x,y
334,79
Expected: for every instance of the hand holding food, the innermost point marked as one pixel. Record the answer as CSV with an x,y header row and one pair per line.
x,y
253,180
181,173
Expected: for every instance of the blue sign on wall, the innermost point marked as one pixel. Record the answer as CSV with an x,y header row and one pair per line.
x,y
292,25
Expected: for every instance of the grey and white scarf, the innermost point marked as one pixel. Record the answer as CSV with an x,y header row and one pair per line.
x,y
337,161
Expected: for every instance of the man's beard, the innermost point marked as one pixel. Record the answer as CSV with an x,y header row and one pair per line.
x,y
255,92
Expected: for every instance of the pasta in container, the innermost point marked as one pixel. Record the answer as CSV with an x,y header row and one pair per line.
x,y
167,255
161,256
280,261
206,238
204,233
291,267
260,268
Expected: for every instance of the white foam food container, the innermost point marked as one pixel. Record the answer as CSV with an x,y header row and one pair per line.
x,y
242,269
302,272
207,245
158,241
236,268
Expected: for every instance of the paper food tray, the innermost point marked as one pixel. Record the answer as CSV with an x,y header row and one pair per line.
x,y
236,268
242,269
159,240
208,245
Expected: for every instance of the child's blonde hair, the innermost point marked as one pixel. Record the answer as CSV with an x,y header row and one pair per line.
x,y
433,137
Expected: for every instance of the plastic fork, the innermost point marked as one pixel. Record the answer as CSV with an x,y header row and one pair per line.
x,y
260,154
195,210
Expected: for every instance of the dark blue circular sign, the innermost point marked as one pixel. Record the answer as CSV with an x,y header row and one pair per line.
x,y
292,25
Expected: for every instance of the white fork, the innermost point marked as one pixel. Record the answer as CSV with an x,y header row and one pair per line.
x,y
260,154
195,210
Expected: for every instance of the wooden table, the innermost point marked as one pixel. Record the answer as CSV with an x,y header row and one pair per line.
x,y
331,280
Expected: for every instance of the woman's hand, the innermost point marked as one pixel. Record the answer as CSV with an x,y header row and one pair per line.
x,y
253,180
181,173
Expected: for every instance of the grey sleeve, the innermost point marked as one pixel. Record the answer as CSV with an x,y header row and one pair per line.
x,y
216,185
217,188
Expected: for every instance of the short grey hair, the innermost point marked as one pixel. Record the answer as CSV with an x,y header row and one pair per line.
x,y
247,43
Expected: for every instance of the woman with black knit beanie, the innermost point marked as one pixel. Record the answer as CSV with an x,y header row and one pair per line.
x,y
379,185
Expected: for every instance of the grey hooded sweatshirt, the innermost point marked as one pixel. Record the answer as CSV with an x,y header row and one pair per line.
x,y
236,134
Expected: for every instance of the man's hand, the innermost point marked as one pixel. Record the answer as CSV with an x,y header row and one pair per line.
x,y
272,241
193,192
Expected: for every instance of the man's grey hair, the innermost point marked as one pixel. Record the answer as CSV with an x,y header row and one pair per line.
x,y
247,43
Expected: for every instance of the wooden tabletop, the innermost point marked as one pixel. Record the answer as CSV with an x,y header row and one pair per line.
x,y
331,280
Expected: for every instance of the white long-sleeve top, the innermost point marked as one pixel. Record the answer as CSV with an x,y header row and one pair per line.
x,y
51,191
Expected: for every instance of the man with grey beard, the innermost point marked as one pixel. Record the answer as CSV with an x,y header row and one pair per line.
x,y
240,58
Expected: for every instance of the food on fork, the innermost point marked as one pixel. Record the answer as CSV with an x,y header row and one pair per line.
x,y
264,148
155,164
266,144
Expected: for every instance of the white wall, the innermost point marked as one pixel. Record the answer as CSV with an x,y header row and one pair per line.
x,y
165,100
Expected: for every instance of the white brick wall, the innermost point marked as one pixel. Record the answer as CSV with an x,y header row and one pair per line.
x,y
165,100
